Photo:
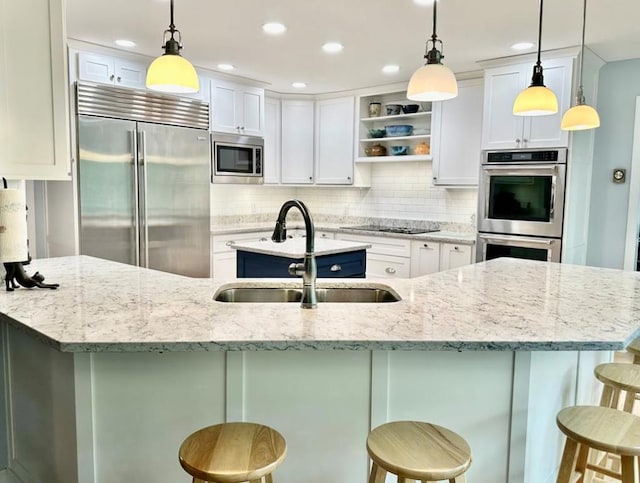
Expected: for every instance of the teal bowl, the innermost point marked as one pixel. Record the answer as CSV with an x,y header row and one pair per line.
x,y
377,133
399,150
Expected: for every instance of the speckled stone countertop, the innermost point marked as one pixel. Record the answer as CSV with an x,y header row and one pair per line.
x,y
503,304
296,247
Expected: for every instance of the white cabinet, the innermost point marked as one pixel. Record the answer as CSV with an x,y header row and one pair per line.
x,y
34,103
501,129
420,134
334,141
453,255
457,125
388,257
297,141
223,256
106,69
271,162
425,258
236,108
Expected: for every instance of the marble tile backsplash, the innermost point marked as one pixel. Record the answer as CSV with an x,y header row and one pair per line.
x,y
400,192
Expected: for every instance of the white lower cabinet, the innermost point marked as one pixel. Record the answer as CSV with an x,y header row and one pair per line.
x,y
388,266
223,256
453,256
425,258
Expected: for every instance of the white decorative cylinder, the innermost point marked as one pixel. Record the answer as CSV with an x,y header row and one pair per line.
x,y
13,226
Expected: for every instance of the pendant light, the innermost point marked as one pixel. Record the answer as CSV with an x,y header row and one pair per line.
x,y
433,81
581,116
536,100
171,72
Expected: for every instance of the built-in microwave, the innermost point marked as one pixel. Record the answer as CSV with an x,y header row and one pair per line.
x,y
236,158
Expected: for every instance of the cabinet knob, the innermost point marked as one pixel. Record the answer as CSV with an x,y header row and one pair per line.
x,y
525,141
518,141
456,248
111,77
263,239
119,79
390,270
324,235
230,243
335,268
348,178
310,178
237,128
426,245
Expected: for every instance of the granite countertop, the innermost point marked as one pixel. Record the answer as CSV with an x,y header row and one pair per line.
x,y
443,236
503,304
295,247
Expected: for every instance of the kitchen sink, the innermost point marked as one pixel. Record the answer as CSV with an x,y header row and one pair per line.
x,y
325,295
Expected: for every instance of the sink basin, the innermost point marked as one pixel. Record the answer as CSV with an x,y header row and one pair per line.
x,y
369,295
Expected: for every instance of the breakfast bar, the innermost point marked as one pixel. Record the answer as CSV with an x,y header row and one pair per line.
x,y
107,375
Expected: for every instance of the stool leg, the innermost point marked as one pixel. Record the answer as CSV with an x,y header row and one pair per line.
x,y
629,399
378,475
268,478
636,359
628,469
568,462
459,479
607,395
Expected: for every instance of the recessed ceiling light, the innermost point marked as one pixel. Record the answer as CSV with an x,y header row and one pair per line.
x,y
299,85
225,67
274,28
522,46
332,47
390,69
423,2
125,43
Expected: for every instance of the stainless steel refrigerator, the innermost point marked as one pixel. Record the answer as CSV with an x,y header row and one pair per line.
x,y
143,186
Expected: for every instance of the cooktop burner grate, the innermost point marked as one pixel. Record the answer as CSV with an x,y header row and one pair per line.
x,y
392,229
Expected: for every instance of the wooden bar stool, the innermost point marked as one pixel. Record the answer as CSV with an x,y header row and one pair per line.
x,y
598,428
233,453
634,348
618,377
414,450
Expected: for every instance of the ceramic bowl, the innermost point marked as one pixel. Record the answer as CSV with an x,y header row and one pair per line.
x,y
399,150
393,109
410,108
399,130
377,133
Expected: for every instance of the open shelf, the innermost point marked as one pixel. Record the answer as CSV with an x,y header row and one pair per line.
x,y
396,138
396,116
408,157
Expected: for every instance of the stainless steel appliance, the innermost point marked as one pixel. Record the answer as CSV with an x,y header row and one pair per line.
x,y
521,204
236,158
144,186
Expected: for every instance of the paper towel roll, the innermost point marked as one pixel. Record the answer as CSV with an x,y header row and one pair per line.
x,y
13,226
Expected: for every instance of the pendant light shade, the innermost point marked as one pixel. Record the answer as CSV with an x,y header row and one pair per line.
x,y
581,116
171,72
433,81
537,99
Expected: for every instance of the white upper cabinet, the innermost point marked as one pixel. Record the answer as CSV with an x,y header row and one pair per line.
x,y
34,102
271,162
106,69
501,129
236,108
297,148
334,140
457,136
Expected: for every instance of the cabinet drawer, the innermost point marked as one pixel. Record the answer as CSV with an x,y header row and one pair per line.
x,y
388,266
397,247
340,265
222,243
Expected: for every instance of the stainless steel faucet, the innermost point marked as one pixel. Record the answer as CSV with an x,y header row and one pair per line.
x,y
308,269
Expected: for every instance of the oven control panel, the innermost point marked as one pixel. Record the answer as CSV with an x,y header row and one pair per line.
x,y
533,156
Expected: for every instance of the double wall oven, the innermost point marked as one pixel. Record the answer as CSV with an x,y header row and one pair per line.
x,y
521,204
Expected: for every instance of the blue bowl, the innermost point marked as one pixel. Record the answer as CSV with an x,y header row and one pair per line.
x,y
410,108
399,150
399,130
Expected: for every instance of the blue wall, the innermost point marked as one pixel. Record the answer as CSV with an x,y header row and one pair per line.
x,y
619,85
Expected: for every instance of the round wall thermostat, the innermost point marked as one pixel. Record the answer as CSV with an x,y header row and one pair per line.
x,y
619,175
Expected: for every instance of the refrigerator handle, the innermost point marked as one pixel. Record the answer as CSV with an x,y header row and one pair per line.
x,y
143,198
136,202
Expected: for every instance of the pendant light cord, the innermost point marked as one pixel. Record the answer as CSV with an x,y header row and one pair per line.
x,y
584,23
435,15
539,33
172,27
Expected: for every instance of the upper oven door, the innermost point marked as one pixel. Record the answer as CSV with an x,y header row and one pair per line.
x,y
522,199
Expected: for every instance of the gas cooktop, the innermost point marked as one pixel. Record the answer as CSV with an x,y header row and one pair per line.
x,y
392,229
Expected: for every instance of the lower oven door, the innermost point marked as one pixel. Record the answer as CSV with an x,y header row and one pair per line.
x,y
523,199
492,246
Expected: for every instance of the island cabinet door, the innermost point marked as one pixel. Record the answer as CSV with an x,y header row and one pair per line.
x,y
341,265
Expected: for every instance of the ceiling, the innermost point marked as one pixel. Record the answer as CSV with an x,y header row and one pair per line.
x,y
374,33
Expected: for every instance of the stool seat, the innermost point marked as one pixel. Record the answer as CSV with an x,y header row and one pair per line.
x,y
232,452
419,451
619,375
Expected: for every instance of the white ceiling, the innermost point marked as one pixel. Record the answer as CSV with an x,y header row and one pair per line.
x,y
374,32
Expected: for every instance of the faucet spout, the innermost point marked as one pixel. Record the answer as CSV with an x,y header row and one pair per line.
x,y
308,269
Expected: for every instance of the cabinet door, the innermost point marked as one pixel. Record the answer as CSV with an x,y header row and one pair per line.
x,y
500,128
456,149
96,68
544,131
297,142
454,256
34,102
251,105
387,266
130,74
223,107
271,162
224,265
334,141
425,258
